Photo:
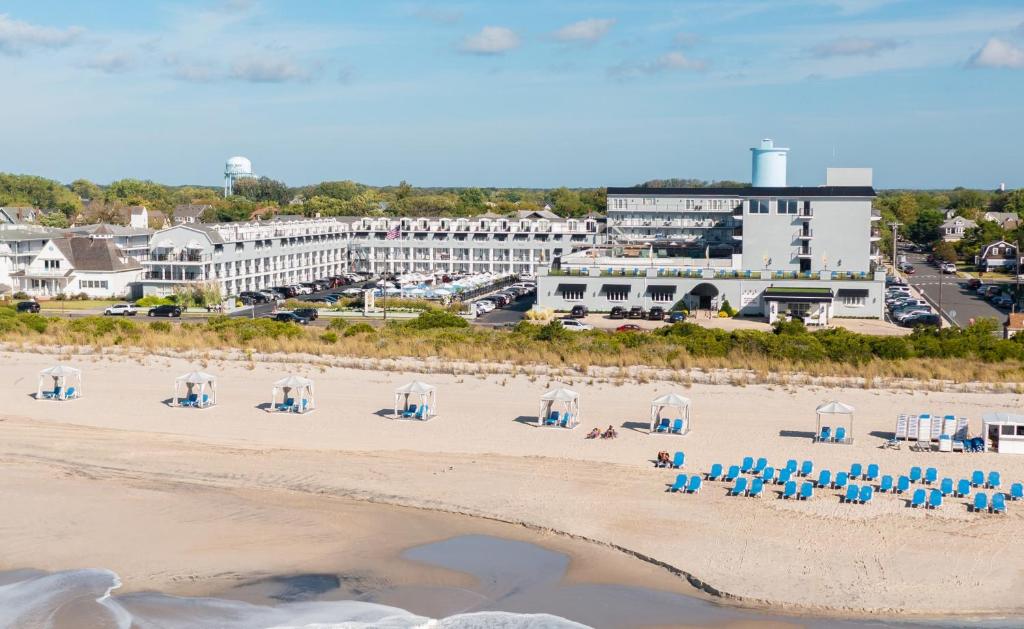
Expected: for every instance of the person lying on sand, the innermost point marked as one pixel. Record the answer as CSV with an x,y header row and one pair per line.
x,y
594,434
663,460
610,433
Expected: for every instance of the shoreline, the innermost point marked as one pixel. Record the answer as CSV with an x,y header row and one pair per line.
x,y
487,466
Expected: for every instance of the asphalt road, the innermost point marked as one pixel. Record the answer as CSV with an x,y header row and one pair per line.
x,y
954,297
509,315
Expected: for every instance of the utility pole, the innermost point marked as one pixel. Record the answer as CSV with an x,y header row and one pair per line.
x,y
895,226
1016,291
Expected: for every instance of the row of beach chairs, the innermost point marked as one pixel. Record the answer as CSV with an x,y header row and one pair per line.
x,y
554,419
289,405
420,412
674,427
193,400
58,394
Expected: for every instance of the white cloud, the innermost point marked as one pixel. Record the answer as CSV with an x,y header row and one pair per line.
x,y
192,70
112,63
998,53
585,31
264,70
852,47
491,40
669,62
16,36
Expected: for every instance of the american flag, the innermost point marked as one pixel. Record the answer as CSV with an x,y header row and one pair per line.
x,y
394,233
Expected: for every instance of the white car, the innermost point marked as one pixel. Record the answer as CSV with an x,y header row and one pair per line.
x,y
574,325
948,268
125,310
485,305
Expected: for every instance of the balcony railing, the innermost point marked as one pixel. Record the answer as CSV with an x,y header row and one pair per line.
x,y
179,257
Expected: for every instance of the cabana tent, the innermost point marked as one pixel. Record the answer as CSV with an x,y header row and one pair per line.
x,y
667,408
296,395
196,389
835,408
416,400
1003,433
566,399
67,383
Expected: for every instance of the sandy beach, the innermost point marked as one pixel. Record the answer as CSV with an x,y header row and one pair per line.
x,y
233,491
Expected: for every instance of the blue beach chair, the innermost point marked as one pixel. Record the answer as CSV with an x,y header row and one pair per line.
x,y
286,405
756,488
768,474
826,434
693,486
998,504
856,471
840,480
851,493
866,493
70,393
552,419
806,491
191,400
806,468
791,465
421,412
977,478
918,498
411,410
760,465
678,460
840,435
680,483
935,499
946,486
1016,491
872,472
747,464
784,475
789,489
902,484
963,487
915,474
980,502
885,485
824,478
662,425
930,475
740,487
993,480
677,427
716,472
734,471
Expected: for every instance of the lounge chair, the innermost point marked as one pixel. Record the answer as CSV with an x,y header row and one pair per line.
x,y
677,427
680,483
740,488
918,498
852,491
789,489
824,479
756,488
421,413
678,459
856,471
998,504
747,464
915,474
411,410
840,435
963,487
993,480
204,402
693,486
52,395
935,499
566,418
885,485
768,474
840,480
806,468
977,478
978,444
663,425
69,394
946,486
902,484
732,473
826,434
783,477
806,491
930,475
872,472
980,502
191,400
866,493
760,465
287,405
1016,491
552,419
791,466
716,472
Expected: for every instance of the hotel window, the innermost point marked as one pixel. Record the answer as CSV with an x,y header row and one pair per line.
x,y
572,294
854,301
786,206
662,297
51,264
758,206
617,295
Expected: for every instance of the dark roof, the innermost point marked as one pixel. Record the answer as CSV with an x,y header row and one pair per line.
x,y
788,191
797,293
95,254
852,292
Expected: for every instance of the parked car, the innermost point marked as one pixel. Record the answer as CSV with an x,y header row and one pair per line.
x,y
910,313
307,313
637,312
617,312
973,283
656,313
908,269
629,327
1002,301
290,317
922,320
124,310
574,325
948,268
164,311
28,306
578,312
991,291
256,298
676,317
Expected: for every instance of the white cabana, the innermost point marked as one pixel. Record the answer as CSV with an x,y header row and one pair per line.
x,y
66,383
834,409
296,395
416,400
670,414
561,398
196,389
1003,433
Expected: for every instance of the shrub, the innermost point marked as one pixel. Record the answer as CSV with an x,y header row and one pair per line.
x,y
81,297
434,319
151,301
337,324
553,331
34,322
329,338
160,326
792,326
22,295
727,309
359,328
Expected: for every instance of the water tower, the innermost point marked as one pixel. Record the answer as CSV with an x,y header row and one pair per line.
x,y
769,165
236,168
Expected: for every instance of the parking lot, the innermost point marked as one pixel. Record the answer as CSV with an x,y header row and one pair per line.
x,y
958,303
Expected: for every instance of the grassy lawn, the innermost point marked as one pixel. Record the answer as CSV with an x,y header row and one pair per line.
x,y
85,304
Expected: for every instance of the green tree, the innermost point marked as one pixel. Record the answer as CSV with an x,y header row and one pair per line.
x,y
86,189
976,238
944,251
55,219
263,190
37,192
471,200
925,227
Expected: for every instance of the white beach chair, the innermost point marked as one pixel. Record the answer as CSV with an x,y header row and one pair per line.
x,y
901,426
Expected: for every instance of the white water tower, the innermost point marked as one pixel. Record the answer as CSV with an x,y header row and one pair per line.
x,y
769,165
236,168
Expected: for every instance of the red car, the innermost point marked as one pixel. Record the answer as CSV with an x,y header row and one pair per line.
x,y
629,327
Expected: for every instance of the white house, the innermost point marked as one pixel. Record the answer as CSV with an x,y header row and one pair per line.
x,y
997,255
953,228
94,266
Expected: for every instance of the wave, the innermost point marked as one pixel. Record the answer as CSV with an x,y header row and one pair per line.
x,y
79,598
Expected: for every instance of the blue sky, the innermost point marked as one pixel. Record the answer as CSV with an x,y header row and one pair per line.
x,y
930,93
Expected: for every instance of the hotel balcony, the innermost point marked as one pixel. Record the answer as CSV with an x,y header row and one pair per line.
x,y
876,215
805,234
876,235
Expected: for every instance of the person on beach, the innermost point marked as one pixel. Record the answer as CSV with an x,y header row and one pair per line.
x,y
594,434
610,433
663,459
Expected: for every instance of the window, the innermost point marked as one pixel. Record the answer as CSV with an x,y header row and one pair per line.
x,y
662,297
758,206
617,294
93,284
799,309
786,206
51,264
572,294
853,301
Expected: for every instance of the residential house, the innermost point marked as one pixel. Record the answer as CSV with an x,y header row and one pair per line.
x,y
1007,220
952,229
1013,325
79,264
13,215
190,213
998,256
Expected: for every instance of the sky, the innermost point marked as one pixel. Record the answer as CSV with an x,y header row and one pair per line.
x,y
929,93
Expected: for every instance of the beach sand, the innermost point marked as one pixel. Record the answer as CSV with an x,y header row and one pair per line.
x,y
180,499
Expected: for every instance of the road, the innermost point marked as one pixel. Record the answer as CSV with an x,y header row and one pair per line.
x,y
509,315
955,296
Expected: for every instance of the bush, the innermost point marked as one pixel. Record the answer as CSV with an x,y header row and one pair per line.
x,y
329,338
553,331
160,326
434,319
35,322
792,326
151,301
727,309
22,295
337,325
359,328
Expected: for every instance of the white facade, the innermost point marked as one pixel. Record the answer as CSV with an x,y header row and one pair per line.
x,y
69,266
